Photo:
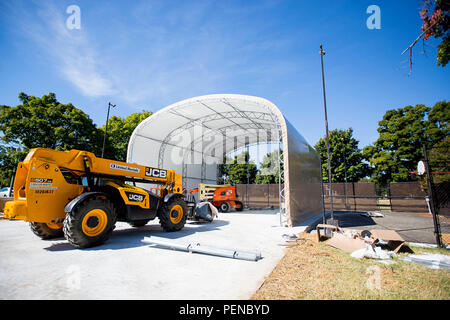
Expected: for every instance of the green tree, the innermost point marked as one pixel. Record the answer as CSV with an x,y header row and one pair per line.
x,y
43,122
223,170
119,133
402,132
346,157
240,171
439,118
9,158
268,170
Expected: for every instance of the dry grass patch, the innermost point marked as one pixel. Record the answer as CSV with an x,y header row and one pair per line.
x,y
312,270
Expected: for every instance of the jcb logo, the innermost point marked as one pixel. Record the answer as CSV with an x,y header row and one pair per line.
x,y
155,172
135,197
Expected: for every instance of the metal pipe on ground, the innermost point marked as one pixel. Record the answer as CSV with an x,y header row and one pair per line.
x,y
205,249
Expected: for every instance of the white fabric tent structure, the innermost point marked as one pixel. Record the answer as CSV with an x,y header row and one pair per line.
x,y
192,136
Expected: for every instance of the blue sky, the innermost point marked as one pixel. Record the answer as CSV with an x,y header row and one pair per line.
x,y
149,54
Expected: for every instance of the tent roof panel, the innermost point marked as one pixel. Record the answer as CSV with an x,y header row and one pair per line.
x,y
191,134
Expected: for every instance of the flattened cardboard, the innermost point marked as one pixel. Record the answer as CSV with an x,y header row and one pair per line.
x,y
387,235
345,243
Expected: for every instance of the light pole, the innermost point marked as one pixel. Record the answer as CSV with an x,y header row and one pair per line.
x,y
322,53
345,174
106,128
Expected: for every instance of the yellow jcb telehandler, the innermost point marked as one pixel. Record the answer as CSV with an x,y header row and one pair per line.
x,y
75,194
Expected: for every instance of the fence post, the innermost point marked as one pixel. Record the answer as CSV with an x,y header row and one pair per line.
x,y
324,220
354,195
246,196
437,230
389,196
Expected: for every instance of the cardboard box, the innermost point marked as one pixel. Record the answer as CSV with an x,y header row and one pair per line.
x,y
345,243
394,240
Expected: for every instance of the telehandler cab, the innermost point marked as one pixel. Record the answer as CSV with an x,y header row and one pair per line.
x,y
75,194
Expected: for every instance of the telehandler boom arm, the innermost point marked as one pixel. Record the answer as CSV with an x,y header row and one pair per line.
x,y
85,163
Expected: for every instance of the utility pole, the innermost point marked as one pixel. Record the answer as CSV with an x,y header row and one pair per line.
x,y
247,159
106,128
345,174
322,53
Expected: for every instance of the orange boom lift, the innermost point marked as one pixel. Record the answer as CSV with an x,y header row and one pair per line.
x,y
223,197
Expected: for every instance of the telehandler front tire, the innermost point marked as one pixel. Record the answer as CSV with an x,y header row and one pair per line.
x,y
173,214
46,231
91,223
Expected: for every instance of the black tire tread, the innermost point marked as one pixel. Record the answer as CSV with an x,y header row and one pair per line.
x,y
74,234
44,232
164,215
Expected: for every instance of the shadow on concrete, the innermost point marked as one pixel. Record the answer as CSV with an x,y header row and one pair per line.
x,y
347,220
132,237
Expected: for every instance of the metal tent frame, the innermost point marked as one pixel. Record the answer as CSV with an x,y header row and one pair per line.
x,y
192,136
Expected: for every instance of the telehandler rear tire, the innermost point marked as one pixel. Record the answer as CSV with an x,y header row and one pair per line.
x,y
173,214
91,223
45,231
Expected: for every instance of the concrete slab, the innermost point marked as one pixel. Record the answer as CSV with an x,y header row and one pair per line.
x,y
127,268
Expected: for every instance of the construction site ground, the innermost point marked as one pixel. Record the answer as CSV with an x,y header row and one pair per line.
x,y
126,268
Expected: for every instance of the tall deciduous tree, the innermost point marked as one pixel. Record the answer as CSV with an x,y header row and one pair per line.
x,y
241,170
402,132
269,171
119,133
9,158
346,157
43,122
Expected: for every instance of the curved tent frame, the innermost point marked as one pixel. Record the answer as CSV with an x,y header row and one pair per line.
x,y
193,136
